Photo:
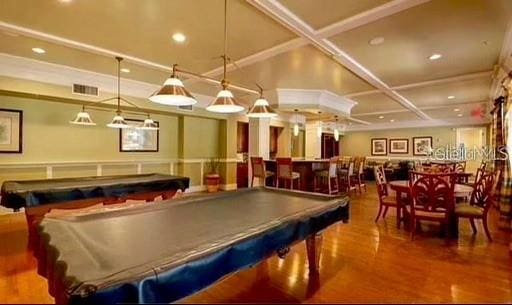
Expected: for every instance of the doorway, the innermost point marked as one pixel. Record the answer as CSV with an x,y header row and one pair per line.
x,y
472,139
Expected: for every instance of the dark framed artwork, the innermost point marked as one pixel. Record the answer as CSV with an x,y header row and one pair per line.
x,y
421,146
398,146
379,147
11,131
134,139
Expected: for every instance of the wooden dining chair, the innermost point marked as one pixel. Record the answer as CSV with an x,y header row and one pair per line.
x,y
259,171
386,197
432,200
460,169
285,171
329,175
479,204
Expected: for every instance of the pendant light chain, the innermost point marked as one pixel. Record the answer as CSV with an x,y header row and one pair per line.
x,y
224,57
119,84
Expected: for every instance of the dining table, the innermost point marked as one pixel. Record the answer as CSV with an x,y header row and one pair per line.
x,y
403,190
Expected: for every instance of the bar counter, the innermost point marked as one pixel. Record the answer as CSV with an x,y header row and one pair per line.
x,y
305,167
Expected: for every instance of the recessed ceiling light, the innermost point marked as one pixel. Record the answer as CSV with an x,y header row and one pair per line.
x,y
381,116
65,1
376,41
392,120
451,97
456,109
38,50
179,37
125,70
435,56
460,114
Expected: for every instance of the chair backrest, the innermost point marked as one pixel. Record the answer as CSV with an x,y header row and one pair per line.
x,y
483,165
479,173
482,193
351,168
433,192
284,167
497,178
258,167
333,167
460,167
380,181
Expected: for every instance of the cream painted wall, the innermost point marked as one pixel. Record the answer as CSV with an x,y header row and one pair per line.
x,y
359,143
47,135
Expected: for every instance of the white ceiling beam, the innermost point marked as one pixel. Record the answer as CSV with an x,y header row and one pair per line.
x,y
344,25
369,16
428,83
422,108
11,28
284,16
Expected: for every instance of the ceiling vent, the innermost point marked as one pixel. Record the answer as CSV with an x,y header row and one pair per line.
x,y
85,90
186,108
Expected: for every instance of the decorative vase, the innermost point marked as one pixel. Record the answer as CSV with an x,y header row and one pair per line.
x,y
212,183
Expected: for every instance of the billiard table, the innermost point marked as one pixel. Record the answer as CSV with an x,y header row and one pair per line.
x,y
160,253
38,197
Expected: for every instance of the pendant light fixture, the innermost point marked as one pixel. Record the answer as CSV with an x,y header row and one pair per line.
x,y
118,120
319,127
149,124
261,108
225,101
336,131
173,92
83,118
296,125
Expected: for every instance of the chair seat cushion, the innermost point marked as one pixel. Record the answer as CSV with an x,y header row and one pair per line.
x,y
269,174
322,173
469,210
427,214
295,175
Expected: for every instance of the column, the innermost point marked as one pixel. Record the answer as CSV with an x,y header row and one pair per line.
x,y
313,142
259,140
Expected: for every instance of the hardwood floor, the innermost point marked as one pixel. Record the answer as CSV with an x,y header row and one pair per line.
x,y
361,262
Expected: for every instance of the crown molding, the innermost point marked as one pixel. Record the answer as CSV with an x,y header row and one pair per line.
x,y
469,121
310,98
55,74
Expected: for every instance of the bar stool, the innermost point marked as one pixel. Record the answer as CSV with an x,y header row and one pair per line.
x,y
285,171
360,175
258,170
348,178
329,175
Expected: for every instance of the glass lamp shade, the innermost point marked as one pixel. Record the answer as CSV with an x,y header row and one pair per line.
x,y
336,134
224,103
319,131
118,122
149,124
296,129
261,109
83,118
173,93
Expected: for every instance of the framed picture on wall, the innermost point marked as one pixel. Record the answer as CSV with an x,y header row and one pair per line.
x,y
134,139
421,145
11,131
398,146
379,147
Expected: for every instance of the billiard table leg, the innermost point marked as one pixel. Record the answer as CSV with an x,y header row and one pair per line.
x,y
314,249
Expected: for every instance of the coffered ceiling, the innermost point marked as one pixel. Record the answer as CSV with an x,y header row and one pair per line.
x,y
297,44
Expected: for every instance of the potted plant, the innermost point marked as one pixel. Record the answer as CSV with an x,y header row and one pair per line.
x,y
212,175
